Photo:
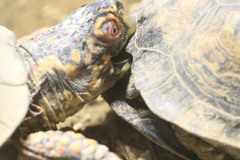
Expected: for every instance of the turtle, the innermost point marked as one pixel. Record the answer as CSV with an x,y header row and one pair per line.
x,y
183,89
50,75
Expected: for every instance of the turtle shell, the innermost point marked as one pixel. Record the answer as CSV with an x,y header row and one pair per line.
x,y
14,92
186,66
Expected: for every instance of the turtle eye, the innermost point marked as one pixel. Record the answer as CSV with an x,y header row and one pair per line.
x,y
111,29
107,30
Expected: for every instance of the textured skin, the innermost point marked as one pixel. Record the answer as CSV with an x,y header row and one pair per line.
x,y
140,117
63,145
186,66
70,64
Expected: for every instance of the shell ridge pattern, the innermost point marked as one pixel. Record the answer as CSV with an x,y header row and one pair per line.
x,y
180,57
165,83
143,48
203,82
209,92
192,29
137,34
215,80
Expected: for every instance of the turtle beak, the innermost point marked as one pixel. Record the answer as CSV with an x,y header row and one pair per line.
x,y
122,63
130,25
119,67
122,66
125,20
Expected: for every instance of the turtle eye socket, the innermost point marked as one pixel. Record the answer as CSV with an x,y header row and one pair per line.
x,y
107,30
111,29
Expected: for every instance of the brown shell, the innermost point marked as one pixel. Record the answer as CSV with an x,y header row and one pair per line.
x,y
186,65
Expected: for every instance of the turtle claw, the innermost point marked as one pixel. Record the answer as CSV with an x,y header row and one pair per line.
x,y
131,91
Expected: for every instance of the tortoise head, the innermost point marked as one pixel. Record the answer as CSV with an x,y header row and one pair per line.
x,y
80,50
97,32
100,27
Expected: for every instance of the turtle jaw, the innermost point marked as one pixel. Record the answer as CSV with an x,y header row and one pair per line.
x,y
121,67
122,62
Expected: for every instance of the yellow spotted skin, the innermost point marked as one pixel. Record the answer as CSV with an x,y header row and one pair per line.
x,y
69,145
69,64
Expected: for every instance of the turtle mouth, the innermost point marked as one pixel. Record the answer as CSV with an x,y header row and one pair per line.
x,y
122,62
123,56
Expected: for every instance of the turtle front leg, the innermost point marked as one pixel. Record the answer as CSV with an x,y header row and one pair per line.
x,y
63,145
131,91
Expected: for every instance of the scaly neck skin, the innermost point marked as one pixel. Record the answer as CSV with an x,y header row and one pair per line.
x,y
70,64
62,78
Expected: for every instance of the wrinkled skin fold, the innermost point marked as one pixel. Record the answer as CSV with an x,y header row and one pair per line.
x,y
68,65
71,63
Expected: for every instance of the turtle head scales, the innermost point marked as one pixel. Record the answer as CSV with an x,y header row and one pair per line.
x,y
71,63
